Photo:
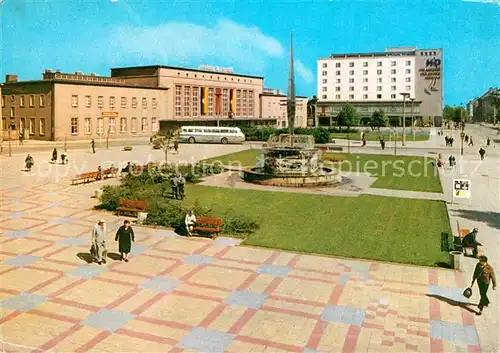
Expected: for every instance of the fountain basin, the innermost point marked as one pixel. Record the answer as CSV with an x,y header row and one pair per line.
x,y
322,177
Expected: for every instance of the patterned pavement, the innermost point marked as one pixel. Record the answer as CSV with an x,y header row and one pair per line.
x,y
198,295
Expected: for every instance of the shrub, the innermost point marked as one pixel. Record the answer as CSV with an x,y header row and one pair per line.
x,y
111,195
239,224
321,135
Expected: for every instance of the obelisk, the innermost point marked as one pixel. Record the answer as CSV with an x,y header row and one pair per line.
x,y
290,100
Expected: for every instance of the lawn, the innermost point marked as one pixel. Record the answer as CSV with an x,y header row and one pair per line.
x,y
392,172
375,136
368,227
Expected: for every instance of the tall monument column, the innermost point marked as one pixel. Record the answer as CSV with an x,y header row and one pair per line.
x,y
290,100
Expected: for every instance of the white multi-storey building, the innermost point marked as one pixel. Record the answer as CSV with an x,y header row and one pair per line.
x,y
372,81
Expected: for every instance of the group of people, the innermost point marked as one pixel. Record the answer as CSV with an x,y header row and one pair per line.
x,y
449,141
64,157
124,236
178,186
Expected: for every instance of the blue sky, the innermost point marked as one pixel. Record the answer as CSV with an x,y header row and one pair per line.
x,y
250,36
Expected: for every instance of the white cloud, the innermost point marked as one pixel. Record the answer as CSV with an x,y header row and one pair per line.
x,y
226,43
304,72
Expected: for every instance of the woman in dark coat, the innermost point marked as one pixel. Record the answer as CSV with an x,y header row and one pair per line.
x,y
125,237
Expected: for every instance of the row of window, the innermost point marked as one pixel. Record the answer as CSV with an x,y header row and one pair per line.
x,y
22,100
112,102
32,125
365,80
365,64
112,128
365,72
365,96
365,88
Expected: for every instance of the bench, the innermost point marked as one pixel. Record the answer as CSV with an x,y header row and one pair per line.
x,y
209,225
132,206
462,232
110,173
85,178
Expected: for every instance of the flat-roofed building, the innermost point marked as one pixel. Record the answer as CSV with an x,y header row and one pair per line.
x,y
273,105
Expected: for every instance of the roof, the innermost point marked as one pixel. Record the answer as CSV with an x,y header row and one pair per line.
x,y
279,95
184,69
82,83
377,54
367,102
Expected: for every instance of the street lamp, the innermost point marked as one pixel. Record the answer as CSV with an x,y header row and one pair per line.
x,y
403,137
462,134
412,119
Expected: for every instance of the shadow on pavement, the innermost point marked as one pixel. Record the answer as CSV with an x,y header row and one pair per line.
x,y
491,218
114,256
454,303
85,256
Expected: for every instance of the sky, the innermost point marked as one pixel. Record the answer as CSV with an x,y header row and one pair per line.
x,y
251,36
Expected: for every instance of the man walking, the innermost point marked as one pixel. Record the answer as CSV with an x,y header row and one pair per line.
x,y
482,152
484,274
99,235
92,144
471,143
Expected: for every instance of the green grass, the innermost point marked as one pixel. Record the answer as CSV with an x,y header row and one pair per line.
x,y
368,227
392,172
374,136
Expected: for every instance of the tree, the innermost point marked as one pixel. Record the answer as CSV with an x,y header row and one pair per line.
x,y
165,140
455,114
348,116
379,119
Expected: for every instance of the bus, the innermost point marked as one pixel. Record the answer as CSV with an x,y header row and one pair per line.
x,y
211,134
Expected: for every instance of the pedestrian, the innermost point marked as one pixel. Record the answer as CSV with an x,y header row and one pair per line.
x,y
54,155
176,146
471,143
382,143
451,141
364,141
466,138
447,140
488,141
99,235
484,274
64,158
451,159
190,222
21,138
469,241
125,236
482,152
181,183
29,162
92,144
175,186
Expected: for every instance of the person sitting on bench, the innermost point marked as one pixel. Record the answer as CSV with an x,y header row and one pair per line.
x,y
469,241
190,222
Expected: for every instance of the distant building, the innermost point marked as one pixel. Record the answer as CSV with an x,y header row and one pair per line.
x,y
371,81
273,105
485,108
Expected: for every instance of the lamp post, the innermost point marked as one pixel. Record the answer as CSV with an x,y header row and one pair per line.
x,y
462,134
10,146
403,137
412,119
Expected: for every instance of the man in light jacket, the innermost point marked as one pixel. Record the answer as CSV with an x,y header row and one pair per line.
x,y
99,235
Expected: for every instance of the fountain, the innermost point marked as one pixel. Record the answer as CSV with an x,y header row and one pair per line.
x,y
288,159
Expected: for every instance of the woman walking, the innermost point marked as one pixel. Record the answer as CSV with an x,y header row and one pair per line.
x,y
125,237
483,273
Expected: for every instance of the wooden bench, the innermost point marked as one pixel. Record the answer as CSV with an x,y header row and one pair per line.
x,y
132,206
110,173
85,178
209,225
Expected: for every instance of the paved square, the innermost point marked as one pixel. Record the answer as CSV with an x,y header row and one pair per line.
x,y
206,340
109,320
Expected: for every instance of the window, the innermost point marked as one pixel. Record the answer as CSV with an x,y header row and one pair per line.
x,y
379,79
41,100
393,63
365,64
87,101
32,100
365,72
12,112
393,88
112,126
88,126
365,80
74,126
154,124
144,124
337,64
393,79
324,80
351,96
111,101
74,101
379,96
351,64
337,96
351,72
379,88
393,71
123,102
123,125
408,63
324,73
42,126
408,71
365,96
144,103
134,102
337,88
337,73
187,101
408,88
3,101
196,101
337,80
351,88
365,88
153,103
379,72
408,79
323,97
21,101
325,89
379,63
325,65
100,126
32,126
393,96
133,128
100,101
351,80
178,101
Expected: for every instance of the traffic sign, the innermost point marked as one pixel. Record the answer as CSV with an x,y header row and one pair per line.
x,y
462,188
